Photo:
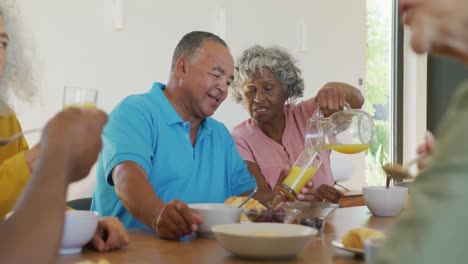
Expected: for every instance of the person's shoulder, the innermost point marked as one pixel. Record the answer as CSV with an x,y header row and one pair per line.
x,y
244,129
8,116
142,101
306,106
307,103
7,113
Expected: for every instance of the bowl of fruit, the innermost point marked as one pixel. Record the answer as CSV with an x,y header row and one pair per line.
x,y
280,213
315,215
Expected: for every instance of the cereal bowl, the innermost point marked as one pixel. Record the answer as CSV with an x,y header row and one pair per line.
x,y
79,227
264,240
78,230
385,202
215,214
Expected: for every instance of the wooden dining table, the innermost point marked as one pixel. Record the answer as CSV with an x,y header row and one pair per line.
x,y
146,247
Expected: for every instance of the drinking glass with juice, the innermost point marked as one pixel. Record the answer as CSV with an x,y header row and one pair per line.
x,y
79,97
302,171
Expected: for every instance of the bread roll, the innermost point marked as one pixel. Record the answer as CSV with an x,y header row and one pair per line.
x,y
250,204
355,238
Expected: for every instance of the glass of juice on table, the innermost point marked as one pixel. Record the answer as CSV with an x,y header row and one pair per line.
x,y
74,96
302,171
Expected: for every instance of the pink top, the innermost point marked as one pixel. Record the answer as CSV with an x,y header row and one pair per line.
x,y
271,157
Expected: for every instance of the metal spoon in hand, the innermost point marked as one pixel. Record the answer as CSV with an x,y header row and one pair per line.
x,y
399,172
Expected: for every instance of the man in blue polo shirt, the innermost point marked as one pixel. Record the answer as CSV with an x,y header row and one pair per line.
x,y
162,150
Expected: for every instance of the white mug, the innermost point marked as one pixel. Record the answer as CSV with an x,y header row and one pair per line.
x,y
372,247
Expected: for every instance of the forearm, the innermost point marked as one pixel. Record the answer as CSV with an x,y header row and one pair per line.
x,y
38,214
136,193
264,193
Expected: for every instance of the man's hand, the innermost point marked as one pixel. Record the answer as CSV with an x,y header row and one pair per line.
x,y
425,149
110,234
176,220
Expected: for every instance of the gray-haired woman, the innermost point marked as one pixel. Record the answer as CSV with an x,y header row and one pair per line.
x,y
267,81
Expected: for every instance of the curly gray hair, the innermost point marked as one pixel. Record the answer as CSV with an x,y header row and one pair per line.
x,y
20,75
256,59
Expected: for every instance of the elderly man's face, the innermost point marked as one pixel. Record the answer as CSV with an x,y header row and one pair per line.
x,y
3,45
205,81
437,26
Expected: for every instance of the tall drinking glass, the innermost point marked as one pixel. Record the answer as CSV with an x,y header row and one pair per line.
x,y
74,96
302,171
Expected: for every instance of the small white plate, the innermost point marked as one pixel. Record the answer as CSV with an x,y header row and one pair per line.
x,y
339,245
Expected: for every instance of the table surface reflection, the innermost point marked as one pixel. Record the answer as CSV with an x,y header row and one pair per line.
x,y
145,247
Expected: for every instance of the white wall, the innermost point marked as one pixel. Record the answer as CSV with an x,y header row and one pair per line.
x,y
79,47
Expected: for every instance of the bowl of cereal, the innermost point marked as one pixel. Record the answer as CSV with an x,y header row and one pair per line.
x,y
264,240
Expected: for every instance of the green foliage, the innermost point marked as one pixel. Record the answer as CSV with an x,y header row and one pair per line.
x,y
377,83
381,138
374,175
377,51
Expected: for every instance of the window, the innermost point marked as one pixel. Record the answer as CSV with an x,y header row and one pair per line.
x,y
383,100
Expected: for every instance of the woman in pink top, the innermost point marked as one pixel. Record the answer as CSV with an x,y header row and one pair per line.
x,y
267,81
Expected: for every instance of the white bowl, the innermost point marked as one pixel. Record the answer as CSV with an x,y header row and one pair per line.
x,y
78,230
215,214
264,240
385,202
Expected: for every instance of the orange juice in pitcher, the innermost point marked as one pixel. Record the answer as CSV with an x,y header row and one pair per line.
x,y
348,131
346,148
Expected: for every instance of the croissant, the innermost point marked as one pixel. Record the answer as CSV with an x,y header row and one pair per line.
x,y
355,238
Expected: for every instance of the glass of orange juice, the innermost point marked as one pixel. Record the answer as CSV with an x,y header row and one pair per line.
x,y
302,171
74,96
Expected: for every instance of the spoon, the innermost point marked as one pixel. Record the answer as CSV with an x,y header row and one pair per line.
x,y
248,197
399,172
8,140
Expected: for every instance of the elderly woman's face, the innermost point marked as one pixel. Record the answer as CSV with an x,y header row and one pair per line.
x,y
3,45
264,97
440,26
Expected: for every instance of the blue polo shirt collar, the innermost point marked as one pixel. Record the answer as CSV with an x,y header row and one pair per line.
x,y
171,116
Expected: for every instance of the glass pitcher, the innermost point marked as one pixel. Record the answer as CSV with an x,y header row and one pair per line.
x,y
348,131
